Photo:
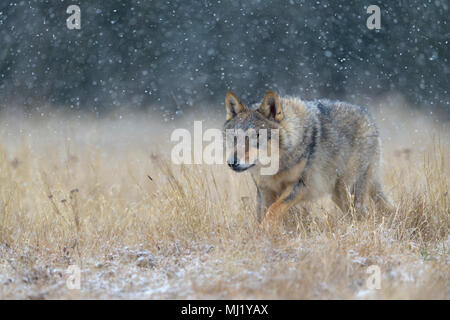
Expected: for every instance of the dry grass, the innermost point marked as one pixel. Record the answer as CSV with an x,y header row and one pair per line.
x,y
103,195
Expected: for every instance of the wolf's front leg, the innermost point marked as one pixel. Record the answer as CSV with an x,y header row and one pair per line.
x,y
264,199
290,196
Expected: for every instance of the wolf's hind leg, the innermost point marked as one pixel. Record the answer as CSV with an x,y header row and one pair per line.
x,y
382,202
340,196
360,189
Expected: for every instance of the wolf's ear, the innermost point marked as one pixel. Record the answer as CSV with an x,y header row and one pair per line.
x,y
271,106
233,105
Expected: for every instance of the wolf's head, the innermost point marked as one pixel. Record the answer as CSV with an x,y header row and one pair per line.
x,y
250,131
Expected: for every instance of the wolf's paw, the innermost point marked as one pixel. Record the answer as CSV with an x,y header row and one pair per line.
x,y
362,211
270,224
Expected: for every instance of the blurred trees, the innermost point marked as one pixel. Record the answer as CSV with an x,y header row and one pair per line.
x,y
170,54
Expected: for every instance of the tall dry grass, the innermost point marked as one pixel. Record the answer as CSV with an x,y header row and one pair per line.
x,y
102,194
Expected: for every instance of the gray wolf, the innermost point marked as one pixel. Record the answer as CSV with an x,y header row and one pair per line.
x,y
325,147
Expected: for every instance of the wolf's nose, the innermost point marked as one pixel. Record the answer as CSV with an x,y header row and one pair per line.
x,y
233,163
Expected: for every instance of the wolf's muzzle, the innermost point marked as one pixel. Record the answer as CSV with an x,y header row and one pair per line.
x,y
238,167
233,163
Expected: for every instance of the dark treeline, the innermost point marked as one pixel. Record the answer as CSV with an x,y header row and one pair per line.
x,y
176,53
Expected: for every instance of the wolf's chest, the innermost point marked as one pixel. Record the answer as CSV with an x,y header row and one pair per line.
x,y
283,179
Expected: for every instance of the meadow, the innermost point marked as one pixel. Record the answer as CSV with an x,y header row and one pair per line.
x,y
102,194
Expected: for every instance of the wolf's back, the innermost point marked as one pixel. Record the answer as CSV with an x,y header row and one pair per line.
x,y
343,121
339,140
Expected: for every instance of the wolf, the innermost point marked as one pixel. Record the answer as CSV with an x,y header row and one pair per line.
x,y
325,147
